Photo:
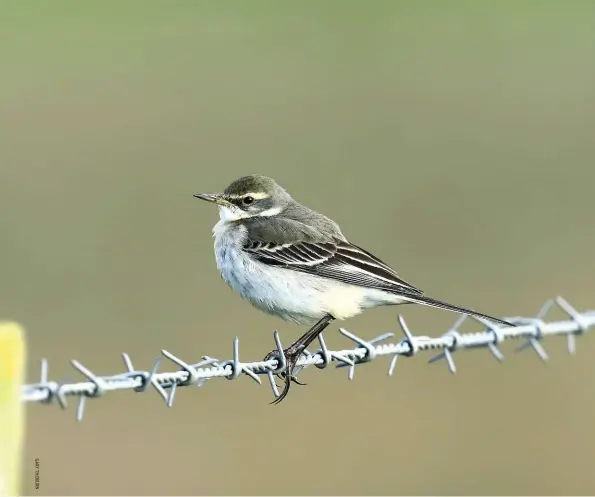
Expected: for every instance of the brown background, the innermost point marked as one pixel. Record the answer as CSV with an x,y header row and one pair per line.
x,y
453,140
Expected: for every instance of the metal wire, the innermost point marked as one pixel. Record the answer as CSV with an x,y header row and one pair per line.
x,y
531,330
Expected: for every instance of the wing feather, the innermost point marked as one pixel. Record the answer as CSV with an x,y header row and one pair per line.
x,y
336,259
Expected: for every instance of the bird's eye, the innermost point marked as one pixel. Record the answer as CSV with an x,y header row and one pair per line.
x,y
248,200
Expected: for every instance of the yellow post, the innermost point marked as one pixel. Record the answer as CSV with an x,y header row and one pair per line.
x,y
12,370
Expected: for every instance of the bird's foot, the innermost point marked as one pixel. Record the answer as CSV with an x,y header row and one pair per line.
x,y
292,355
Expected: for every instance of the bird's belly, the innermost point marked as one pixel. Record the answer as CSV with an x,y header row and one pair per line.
x,y
291,295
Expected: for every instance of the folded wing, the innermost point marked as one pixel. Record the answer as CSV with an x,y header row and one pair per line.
x,y
338,259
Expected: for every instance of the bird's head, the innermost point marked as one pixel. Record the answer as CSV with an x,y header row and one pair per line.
x,y
249,196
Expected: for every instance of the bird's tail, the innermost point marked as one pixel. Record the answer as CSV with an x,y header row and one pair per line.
x,y
422,299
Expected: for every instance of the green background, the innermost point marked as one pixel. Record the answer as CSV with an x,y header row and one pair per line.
x,y
455,140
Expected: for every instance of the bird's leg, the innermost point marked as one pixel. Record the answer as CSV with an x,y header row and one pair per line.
x,y
294,351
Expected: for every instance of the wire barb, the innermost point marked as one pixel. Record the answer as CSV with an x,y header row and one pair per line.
x,y
531,330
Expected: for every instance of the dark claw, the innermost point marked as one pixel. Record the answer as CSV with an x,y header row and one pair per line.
x,y
291,357
283,393
293,378
282,376
293,353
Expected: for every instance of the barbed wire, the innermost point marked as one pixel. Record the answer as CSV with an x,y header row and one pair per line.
x,y
531,330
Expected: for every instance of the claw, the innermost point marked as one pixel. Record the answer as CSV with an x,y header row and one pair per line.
x,y
284,393
293,379
293,353
291,356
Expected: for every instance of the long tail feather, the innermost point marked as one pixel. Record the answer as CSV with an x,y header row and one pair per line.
x,y
422,299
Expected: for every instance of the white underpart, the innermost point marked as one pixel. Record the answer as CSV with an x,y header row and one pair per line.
x,y
288,294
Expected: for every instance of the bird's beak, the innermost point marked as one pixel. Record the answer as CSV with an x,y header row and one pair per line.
x,y
216,198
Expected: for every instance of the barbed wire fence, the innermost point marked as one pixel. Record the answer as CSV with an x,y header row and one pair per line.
x,y
531,330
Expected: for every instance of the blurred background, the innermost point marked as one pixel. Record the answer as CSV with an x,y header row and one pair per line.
x,y
454,140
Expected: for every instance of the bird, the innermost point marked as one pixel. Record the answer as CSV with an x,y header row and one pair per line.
x,y
292,262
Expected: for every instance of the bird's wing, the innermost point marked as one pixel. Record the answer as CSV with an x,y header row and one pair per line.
x,y
330,258
294,245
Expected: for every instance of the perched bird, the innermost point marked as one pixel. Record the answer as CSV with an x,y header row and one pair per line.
x,y
295,263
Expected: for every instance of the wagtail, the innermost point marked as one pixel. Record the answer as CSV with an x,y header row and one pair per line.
x,y
295,263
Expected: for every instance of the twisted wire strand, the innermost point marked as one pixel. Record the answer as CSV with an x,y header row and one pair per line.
x,y
531,330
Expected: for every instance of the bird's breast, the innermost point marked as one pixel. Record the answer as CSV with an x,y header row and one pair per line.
x,y
230,258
